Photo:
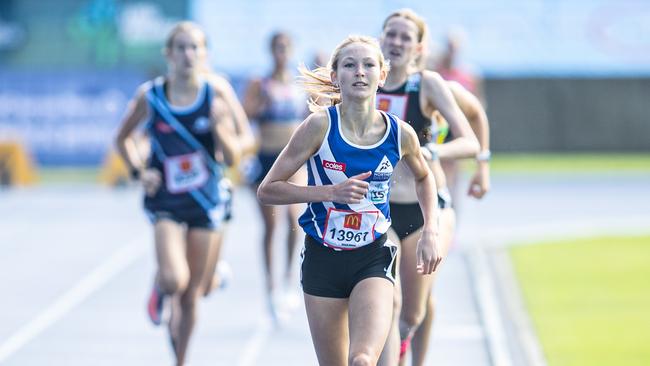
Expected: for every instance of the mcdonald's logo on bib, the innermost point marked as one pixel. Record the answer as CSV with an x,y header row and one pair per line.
x,y
352,221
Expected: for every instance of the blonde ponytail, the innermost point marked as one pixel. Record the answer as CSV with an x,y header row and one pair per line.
x,y
318,84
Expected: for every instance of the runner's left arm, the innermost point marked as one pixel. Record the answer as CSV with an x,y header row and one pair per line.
x,y
438,96
225,131
242,124
475,113
428,252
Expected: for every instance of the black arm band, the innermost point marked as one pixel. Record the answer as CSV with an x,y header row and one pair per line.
x,y
134,174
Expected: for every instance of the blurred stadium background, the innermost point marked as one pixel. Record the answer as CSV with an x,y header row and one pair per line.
x,y
559,75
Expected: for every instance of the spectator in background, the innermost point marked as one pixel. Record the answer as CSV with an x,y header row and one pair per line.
x,y
278,105
447,63
320,59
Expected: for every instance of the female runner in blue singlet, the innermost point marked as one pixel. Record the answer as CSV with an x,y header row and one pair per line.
x,y
351,150
188,118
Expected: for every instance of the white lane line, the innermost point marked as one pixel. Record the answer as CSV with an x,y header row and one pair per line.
x,y
489,308
251,351
73,297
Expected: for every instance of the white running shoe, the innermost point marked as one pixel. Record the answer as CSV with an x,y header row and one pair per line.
x,y
220,278
277,309
291,297
224,273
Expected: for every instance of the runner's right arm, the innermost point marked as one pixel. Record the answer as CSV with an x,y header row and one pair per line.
x,y
276,189
136,111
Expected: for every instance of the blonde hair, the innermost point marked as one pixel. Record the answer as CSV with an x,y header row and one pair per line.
x,y
187,27
184,26
422,35
318,83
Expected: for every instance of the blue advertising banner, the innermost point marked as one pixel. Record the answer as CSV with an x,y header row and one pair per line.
x,y
64,118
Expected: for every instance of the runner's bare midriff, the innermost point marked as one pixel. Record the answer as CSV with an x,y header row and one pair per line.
x,y
275,136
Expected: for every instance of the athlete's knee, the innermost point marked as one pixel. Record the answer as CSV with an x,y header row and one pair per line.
x,y
171,283
362,358
412,319
414,315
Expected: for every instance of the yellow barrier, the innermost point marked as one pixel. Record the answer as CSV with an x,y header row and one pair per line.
x,y
113,171
16,167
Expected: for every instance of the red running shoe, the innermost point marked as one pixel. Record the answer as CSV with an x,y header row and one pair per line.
x,y
155,305
404,346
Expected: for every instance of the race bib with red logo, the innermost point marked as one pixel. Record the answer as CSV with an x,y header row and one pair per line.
x,y
185,172
395,104
345,229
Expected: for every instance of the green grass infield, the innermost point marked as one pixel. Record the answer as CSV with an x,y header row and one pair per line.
x,y
570,163
589,299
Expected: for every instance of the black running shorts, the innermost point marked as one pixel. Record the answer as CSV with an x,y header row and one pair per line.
x,y
406,218
327,272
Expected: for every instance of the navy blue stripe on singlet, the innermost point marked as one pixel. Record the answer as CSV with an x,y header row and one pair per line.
x,y
321,171
200,198
326,181
314,209
310,175
183,132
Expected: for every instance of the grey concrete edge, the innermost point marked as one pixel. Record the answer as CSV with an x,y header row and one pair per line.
x,y
513,304
485,294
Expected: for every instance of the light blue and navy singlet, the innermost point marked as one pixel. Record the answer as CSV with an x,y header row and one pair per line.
x,y
285,103
182,149
350,226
